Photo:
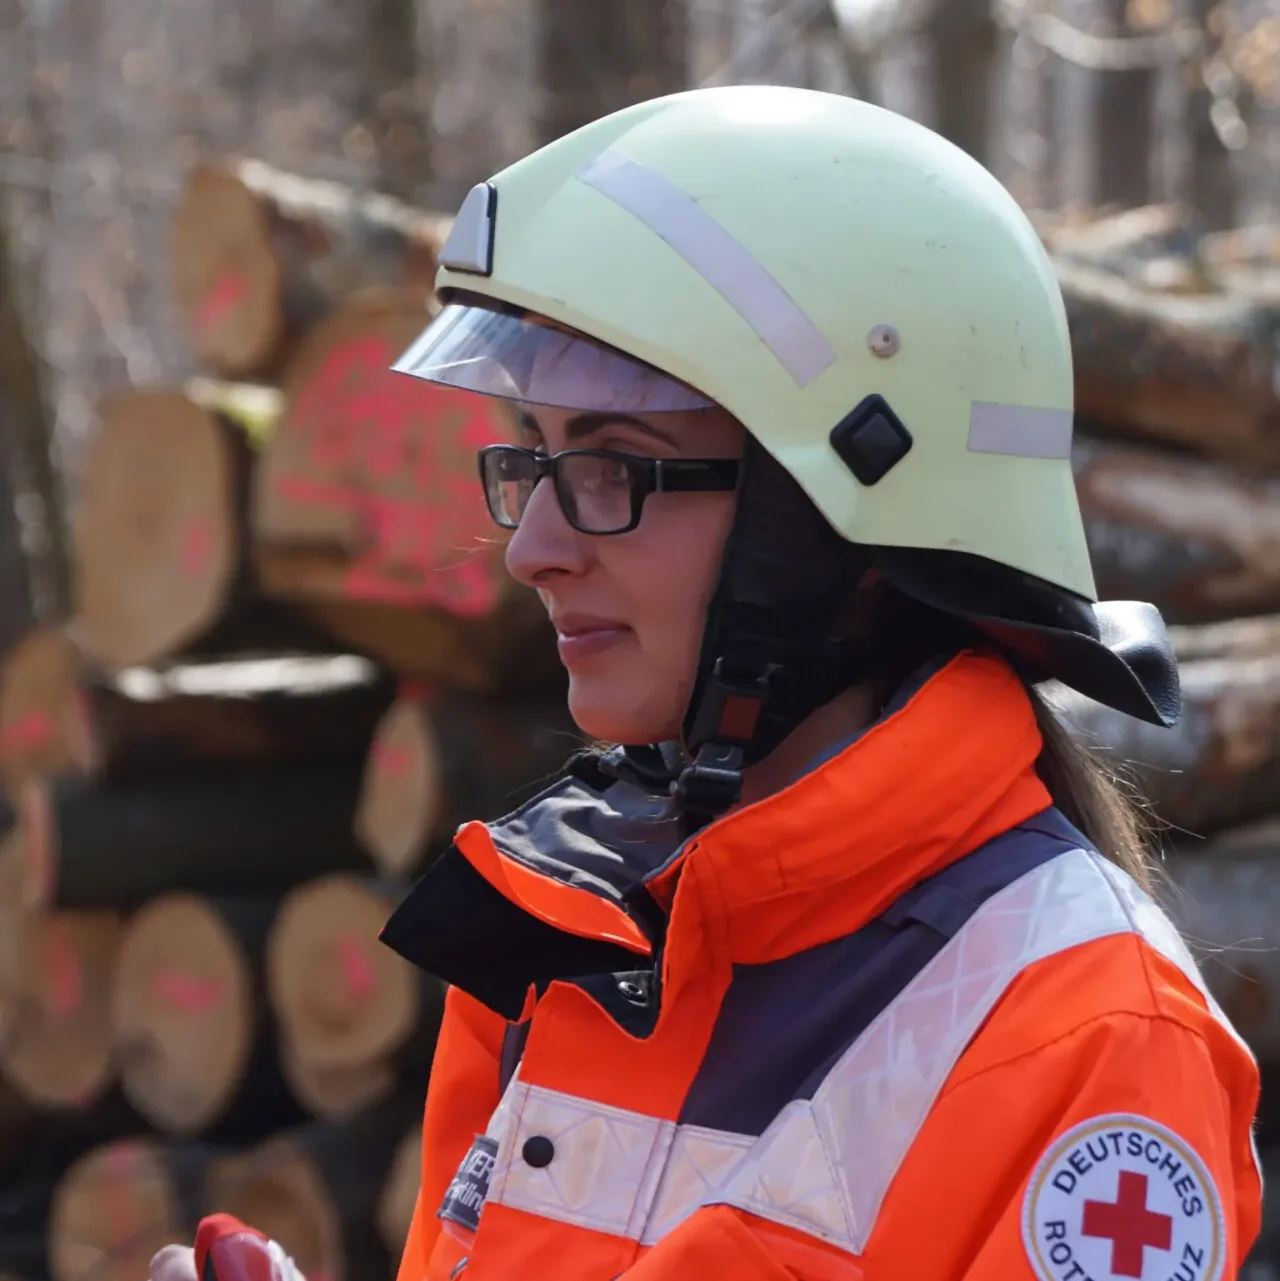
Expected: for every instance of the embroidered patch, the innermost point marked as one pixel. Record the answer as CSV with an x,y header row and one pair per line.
x,y
466,1195
1121,1196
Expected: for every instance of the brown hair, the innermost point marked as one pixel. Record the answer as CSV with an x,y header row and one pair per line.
x,y
894,635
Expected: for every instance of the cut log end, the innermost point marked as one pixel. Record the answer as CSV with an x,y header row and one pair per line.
x,y
278,1191
111,1212
182,1013
401,796
227,278
43,724
156,534
57,1048
341,999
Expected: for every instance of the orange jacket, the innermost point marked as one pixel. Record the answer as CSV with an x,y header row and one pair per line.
x,y
897,1021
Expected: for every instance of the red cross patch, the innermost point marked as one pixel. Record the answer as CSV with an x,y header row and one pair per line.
x,y
1119,1198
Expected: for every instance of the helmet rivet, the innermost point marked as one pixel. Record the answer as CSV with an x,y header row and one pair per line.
x,y
884,341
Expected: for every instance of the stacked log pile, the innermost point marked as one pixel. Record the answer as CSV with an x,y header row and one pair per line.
x,y
296,664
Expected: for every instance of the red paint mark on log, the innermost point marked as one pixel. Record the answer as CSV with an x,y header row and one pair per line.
x,y
187,993
63,970
401,455
32,730
197,547
225,296
391,759
357,967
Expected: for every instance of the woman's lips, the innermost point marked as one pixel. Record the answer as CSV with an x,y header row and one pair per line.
x,y
579,638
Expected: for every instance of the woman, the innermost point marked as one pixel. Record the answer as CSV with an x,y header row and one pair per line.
x,y
841,966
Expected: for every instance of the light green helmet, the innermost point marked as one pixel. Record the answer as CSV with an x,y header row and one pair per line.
x,y
863,296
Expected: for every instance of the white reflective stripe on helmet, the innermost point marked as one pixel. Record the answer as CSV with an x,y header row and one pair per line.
x,y
1021,431
723,262
824,1165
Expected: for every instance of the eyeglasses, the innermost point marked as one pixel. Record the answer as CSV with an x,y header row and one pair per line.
x,y
600,491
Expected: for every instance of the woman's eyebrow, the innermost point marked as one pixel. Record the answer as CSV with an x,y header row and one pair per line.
x,y
585,424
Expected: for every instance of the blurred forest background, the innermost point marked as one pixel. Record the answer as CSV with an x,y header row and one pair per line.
x,y
250,685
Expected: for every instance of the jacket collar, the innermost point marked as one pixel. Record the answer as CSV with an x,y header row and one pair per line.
x,y
578,881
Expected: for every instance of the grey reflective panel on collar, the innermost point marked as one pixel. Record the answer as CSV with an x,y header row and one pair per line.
x,y
469,246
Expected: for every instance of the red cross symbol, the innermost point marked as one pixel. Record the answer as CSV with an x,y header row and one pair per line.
x,y
1128,1224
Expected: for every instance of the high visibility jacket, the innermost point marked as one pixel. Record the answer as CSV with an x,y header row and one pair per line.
x,y
898,1020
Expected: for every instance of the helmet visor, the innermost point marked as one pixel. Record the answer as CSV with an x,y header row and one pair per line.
x,y
502,351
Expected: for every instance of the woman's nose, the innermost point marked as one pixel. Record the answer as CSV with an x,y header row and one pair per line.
x,y
545,544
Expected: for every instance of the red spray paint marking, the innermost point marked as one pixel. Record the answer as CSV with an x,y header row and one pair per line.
x,y
390,759
32,730
357,967
197,547
62,969
362,425
187,993
413,690
220,301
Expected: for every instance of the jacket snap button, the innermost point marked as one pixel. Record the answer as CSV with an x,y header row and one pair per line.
x,y
538,1151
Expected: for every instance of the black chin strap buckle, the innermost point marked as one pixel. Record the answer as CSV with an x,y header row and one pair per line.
x,y
723,728
712,783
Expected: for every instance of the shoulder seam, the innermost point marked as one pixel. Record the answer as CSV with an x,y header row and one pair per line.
x,y
1156,1016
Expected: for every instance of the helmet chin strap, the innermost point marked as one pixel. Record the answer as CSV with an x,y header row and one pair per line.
x,y
776,645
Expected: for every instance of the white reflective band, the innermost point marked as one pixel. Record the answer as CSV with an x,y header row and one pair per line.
x,y
723,262
823,1166
1019,430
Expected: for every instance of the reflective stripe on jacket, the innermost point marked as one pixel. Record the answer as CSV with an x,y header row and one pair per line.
x,y
835,1035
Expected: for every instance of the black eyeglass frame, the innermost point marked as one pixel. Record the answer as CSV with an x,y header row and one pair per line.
x,y
647,476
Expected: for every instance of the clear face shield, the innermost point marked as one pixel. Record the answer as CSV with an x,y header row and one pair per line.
x,y
495,350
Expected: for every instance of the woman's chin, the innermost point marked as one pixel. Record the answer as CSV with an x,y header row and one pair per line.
x,y
602,710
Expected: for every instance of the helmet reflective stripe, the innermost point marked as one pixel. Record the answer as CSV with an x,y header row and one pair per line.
x,y
1020,431
718,258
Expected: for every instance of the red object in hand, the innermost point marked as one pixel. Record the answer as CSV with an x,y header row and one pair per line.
x,y
228,1250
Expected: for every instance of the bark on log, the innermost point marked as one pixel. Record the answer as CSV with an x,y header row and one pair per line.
x,y
258,256
189,1027
315,1190
343,1001
1155,247
59,715
160,537
1197,372
367,509
1221,766
400,1192
1222,896
56,1046
112,1211
89,846
439,759
1200,541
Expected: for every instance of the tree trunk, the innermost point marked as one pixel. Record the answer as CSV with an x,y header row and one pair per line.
x,y
369,515
315,1190
439,760
598,58
1105,127
1201,542
83,845
1221,766
259,257
962,47
57,1037
1196,372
